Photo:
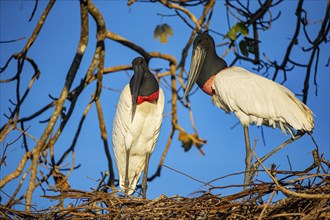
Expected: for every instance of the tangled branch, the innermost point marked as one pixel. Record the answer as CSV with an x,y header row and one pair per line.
x,y
45,153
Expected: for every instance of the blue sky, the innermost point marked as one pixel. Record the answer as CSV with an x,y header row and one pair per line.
x,y
55,48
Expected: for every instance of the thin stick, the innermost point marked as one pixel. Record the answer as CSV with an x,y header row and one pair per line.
x,y
317,147
286,191
267,204
256,165
101,181
204,183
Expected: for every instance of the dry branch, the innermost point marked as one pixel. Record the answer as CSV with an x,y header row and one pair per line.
x,y
204,205
309,191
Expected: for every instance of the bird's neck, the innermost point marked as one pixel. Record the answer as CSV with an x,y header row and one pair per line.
x,y
207,87
212,65
150,98
149,88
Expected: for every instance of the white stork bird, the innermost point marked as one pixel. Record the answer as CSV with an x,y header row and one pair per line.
x,y
252,98
136,126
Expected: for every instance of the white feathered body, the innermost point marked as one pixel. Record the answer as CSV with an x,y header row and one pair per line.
x,y
139,136
258,100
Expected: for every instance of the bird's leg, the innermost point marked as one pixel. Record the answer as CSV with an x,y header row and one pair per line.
x,y
126,172
256,165
145,177
248,157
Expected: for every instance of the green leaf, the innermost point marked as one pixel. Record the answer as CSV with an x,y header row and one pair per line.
x,y
231,33
236,29
242,29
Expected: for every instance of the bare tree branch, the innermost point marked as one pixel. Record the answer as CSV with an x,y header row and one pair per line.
x,y
57,114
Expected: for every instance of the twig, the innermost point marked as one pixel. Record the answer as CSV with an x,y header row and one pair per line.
x,y
60,102
267,204
25,133
11,41
103,131
204,183
286,191
34,10
101,181
184,10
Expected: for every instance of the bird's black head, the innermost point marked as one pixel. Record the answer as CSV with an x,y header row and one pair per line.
x,y
205,62
205,41
143,81
143,84
139,61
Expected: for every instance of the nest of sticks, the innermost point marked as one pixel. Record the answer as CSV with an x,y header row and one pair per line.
x,y
290,195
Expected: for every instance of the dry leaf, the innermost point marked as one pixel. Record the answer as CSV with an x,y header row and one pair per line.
x,y
185,140
60,181
162,31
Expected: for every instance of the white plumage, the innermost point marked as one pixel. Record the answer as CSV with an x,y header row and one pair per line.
x,y
252,98
258,100
139,135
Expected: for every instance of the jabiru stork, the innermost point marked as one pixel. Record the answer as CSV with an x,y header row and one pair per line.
x,y
252,98
136,126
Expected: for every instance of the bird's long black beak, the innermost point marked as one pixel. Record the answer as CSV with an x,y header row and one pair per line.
x,y
138,73
197,61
